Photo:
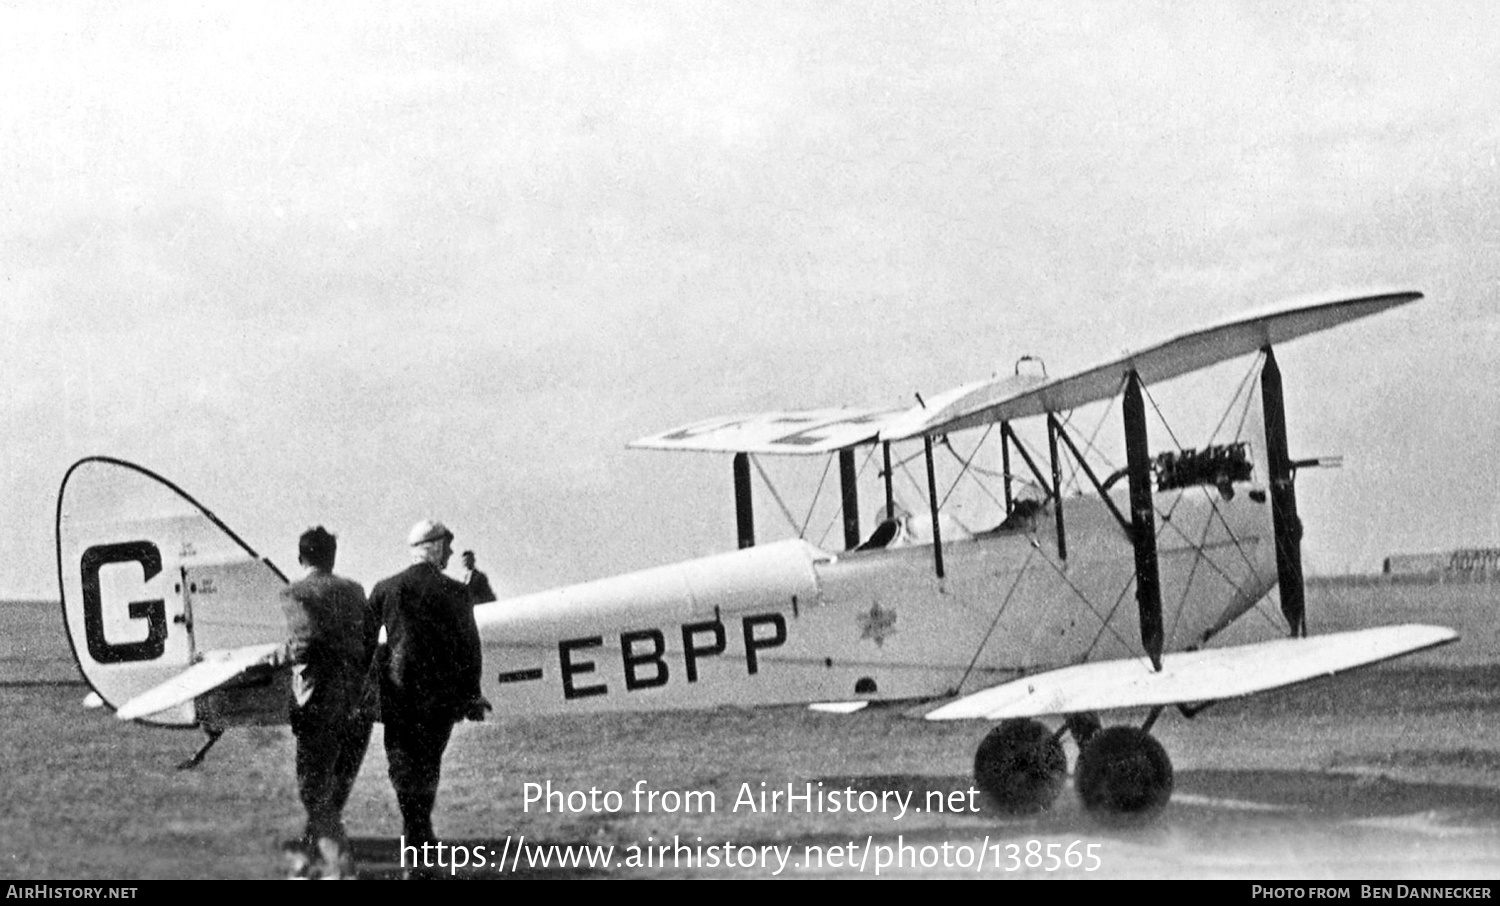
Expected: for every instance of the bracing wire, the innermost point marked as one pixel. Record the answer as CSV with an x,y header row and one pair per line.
x,y
1009,593
775,495
817,492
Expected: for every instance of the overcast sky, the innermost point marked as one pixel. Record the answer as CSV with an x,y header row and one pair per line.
x,y
357,264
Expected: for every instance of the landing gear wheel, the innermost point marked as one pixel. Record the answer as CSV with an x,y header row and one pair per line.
x,y
1123,777
1021,766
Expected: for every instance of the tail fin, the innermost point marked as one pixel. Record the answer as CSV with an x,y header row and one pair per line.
x,y
149,579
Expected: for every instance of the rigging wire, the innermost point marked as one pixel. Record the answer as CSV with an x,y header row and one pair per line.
x,y
838,512
817,492
1119,599
1104,619
1010,593
1090,446
776,495
964,468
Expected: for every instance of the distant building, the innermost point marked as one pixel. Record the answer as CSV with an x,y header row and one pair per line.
x,y
1476,561
1471,564
1415,564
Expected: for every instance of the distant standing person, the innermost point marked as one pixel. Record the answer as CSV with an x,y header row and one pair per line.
x,y
331,637
430,672
476,582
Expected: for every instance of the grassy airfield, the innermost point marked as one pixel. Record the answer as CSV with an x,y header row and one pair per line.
x,y
1392,772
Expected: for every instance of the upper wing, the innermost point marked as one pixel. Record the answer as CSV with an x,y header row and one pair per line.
x,y
1004,400
214,670
822,431
1192,676
793,432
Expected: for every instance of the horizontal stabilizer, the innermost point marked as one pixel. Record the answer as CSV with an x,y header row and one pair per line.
x,y
1192,676
214,670
838,707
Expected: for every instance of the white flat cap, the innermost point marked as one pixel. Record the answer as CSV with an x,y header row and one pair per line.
x,y
427,530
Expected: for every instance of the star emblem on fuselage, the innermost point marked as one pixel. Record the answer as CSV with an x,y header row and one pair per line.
x,y
877,624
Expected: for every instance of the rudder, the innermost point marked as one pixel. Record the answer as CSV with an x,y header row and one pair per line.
x,y
149,578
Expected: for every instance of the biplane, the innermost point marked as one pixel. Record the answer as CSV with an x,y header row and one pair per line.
x,y
1077,592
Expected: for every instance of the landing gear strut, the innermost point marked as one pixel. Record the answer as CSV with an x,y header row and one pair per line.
x,y
1021,765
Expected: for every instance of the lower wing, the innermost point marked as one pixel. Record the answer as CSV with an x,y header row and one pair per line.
x,y
1191,676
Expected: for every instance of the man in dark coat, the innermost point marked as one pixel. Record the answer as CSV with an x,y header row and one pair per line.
x,y
476,582
331,638
430,673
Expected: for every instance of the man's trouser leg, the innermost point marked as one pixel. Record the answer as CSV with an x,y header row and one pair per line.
x,y
354,741
317,753
333,841
318,747
414,746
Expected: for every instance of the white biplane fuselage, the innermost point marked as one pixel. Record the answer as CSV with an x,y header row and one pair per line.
x,y
788,623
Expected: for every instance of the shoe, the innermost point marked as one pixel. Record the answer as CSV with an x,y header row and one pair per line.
x,y
301,860
336,861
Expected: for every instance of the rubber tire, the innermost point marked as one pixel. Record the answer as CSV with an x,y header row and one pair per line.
x,y
1021,765
1123,777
